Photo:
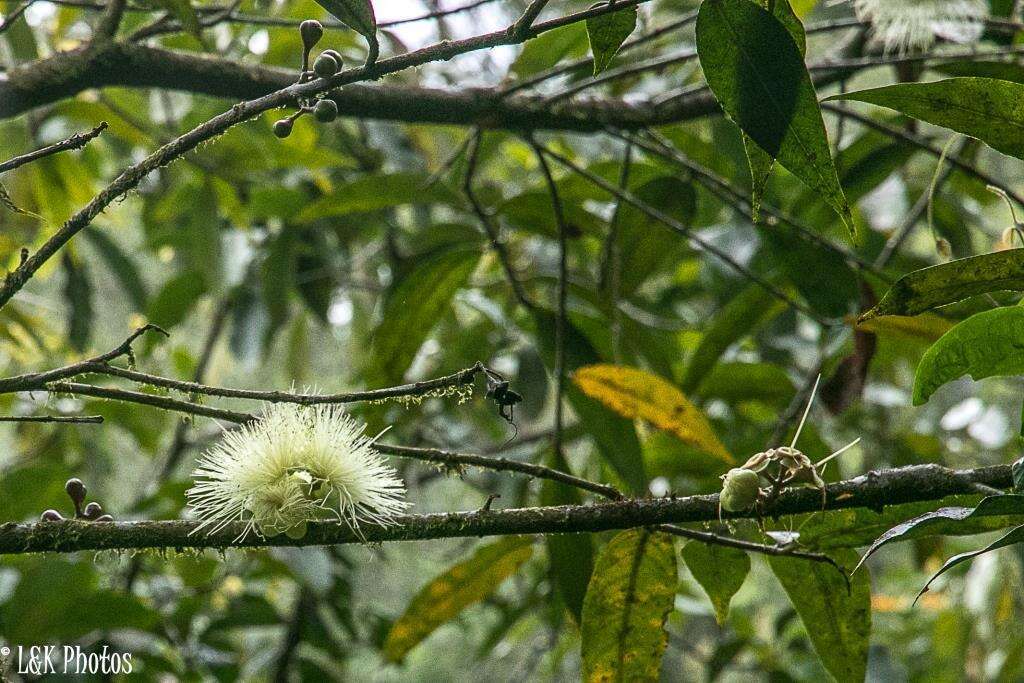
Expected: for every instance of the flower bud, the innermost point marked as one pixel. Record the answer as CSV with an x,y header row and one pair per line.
x,y
325,65
93,510
283,128
337,57
311,31
51,516
325,111
76,490
104,518
740,488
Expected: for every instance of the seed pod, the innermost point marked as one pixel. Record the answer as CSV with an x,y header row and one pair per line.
x,y
93,510
325,66
311,31
740,488
283,128
325,111
51,516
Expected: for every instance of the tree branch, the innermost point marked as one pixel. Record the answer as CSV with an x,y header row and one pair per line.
x,y
873,490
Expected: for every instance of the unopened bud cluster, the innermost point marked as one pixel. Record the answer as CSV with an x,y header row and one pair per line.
x,y
327,64
90,512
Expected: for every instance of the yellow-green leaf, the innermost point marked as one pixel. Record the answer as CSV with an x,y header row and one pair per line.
x,y
637,394
719,570
446,596
630,595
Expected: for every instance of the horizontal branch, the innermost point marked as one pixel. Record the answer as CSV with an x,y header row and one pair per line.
x,y
873,490
56,419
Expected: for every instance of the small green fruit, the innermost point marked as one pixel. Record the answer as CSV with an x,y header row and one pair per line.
x,y
337,57
283,128
325,65
740,488
325,111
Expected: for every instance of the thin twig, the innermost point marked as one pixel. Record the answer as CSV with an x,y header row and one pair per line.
x,y
59,419
76,141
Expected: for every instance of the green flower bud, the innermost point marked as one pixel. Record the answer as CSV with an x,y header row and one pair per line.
x,y
325,65
337,57
283,128
51,516
325,111
740,488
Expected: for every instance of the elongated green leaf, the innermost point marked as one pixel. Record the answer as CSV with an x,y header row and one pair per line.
x,y
175,299
375,192
607,32
615,436
121,265
760,161
1011,538
946,518
466,583
630,595
78,294
570,556
838,621
989,109
744,313
415,305
948,283
757,73
719,570
987,344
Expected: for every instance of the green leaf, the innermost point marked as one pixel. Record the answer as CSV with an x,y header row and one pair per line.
x,y
464,584
548,49
1003,71
945,519
358,14
607,32
121,265
838,621
615,436
989,109
757,73
415,304
175,299
378,191
760,161
719,570
745,312
1018,476
629,598
987,344
570,556
78,294
1012,538
646,248
948,283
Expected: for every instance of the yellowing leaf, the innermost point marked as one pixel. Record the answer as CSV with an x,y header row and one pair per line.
x,y
637,394
466,583
926,327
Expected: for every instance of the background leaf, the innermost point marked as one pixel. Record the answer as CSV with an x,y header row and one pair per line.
x,y
719,570
838,622
446,596
630,595
607,32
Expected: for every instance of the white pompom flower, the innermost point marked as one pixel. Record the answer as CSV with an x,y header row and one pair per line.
x,y
908,25
291,466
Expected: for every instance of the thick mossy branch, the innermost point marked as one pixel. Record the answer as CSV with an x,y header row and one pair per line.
x,y
873,490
